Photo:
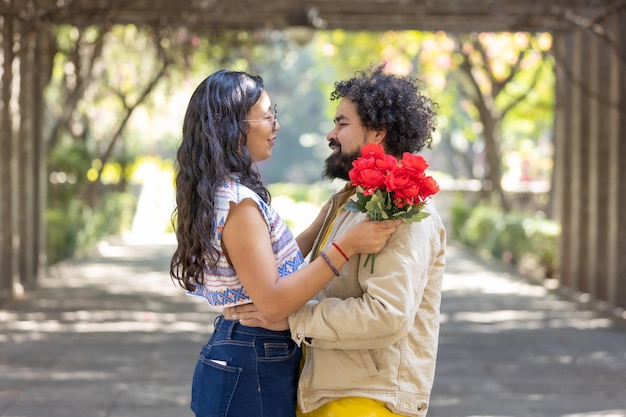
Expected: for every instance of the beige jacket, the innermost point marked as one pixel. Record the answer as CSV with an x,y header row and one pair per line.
x,y
376,335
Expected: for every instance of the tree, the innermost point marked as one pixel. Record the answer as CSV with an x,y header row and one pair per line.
x,y
105,80
505,71
482,84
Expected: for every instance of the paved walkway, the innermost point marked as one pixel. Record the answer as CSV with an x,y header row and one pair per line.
x,y
109,335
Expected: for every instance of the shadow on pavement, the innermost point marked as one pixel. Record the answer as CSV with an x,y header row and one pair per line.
x,y
110,335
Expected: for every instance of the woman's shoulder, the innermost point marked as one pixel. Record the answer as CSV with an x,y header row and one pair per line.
x,y
231,189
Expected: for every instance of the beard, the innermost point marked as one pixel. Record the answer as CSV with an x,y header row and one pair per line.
x,y
339,164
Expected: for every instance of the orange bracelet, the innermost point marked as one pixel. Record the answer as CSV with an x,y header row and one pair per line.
x,y
340,251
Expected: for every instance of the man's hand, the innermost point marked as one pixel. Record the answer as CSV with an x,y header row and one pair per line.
x,y
250,316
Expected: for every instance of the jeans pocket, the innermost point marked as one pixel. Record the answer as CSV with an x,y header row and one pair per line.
x,y
278,378
213,387
273,350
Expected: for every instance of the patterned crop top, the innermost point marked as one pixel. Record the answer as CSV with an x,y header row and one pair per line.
x,y
222,287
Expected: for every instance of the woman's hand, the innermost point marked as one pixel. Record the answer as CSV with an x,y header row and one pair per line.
x,y
367,236
250,316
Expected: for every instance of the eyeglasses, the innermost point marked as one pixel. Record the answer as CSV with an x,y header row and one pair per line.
x,y
273,119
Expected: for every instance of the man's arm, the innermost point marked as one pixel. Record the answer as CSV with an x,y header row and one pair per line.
x,y
391,296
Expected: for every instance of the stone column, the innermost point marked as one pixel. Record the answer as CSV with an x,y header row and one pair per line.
x,y
7,159
42,60
590,161
25,145
617,181
568,54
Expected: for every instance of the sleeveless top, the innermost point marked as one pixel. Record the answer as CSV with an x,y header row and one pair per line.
x,y
222,287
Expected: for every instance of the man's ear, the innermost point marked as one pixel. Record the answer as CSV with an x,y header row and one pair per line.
x,y
376,136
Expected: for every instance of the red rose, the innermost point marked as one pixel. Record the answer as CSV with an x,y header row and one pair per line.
x,y
369,171
381,162
372,150
369,179
386,163
429,187
414,163
401,183
376,154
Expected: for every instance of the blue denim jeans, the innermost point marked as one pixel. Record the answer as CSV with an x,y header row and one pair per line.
x,y
246,372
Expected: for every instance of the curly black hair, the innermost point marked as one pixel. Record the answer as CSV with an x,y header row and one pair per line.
x,y
213,146
392,102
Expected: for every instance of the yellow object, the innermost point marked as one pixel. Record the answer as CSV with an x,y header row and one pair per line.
x,y
350,407
325,239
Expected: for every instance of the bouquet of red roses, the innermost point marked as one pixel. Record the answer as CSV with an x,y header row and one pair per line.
x,y
388,188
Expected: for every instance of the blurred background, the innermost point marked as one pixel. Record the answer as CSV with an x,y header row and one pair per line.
x,y
114,95
111,149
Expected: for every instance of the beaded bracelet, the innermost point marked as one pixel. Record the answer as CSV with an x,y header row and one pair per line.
x,y
340,251
329,262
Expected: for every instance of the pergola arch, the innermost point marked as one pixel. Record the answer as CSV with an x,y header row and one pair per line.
x,y
590,131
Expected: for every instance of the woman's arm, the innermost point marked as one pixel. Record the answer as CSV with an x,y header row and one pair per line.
x,y
246,243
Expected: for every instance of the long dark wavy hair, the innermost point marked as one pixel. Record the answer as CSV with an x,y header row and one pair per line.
x,y
393,102
213,146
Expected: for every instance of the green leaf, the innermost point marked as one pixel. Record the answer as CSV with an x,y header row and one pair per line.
x,y
415,217
360,204
362,200
354,207
399,214
376,207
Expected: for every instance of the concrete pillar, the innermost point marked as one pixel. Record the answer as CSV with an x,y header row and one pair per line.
x,y
42,60
7,160
599,226
617,205
25,72
568,143
590,161
590,275
25,192
582,137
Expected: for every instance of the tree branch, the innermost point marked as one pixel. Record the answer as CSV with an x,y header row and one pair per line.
x,y
530,87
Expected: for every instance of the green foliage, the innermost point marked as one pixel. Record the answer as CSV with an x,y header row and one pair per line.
x,y
109,101
380,206
88,102
114,215
459,214
63,229
510,237
73,221
68,164
77,226
543,236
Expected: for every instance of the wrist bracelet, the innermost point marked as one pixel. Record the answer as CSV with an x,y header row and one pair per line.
x,y
340,251
329,262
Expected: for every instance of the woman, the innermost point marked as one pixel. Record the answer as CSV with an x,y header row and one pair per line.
x,y
234,248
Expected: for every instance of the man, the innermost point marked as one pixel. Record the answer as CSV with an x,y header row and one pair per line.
x,y
371,338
